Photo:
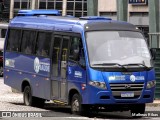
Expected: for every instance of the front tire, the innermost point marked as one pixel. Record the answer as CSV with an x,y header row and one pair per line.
x,y
138,109
76,106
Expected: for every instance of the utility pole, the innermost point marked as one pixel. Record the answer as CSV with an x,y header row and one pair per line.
x,y
11,14
122,10
64,7
92,7
33,4
154,13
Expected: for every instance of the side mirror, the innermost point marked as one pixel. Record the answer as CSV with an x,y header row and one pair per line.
x,y
153,53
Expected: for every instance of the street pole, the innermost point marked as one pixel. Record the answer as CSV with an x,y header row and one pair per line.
x,y
64,7
92,7
33,4
154,20
122,10
11,13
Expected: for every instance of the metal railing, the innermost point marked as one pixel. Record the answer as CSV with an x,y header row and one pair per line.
x,y
156,37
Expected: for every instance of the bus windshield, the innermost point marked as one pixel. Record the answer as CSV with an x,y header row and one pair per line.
x,y
107,48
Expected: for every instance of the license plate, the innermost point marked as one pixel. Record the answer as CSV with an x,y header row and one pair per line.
x,y
127,94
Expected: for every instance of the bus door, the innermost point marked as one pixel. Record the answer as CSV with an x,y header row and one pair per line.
x,y
63,67
76,64
59,64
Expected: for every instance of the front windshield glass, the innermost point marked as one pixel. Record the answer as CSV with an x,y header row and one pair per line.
x,y
118,47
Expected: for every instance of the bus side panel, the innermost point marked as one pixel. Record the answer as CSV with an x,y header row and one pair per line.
x,y
19,68
11,78
76,79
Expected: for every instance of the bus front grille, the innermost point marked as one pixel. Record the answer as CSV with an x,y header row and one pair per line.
x,y
118,89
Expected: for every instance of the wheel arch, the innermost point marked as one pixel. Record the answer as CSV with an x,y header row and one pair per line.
x,y
71,93
25,82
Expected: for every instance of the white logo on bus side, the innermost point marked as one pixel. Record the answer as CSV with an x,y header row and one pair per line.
x,y
36,65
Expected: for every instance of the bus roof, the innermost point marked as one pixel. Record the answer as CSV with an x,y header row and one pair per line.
x,y
69,23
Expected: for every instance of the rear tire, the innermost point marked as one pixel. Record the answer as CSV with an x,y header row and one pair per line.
x,y
138,109
29,100
27,96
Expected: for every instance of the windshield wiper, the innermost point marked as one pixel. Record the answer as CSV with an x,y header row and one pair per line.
x,y
111,64
137,64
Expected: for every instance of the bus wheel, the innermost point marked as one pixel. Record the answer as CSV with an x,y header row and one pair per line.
x,y
138,110
76,106
29,100
27,96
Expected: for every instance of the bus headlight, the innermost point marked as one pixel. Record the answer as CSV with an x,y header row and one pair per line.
x,y
151,84
101,85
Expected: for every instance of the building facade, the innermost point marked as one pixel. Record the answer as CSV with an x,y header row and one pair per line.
x,y
138,14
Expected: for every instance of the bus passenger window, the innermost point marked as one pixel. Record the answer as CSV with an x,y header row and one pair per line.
x,y
43,44
28,42
14,40
55,57
77,47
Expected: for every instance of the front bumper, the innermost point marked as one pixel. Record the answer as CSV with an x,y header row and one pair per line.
x,y
106,97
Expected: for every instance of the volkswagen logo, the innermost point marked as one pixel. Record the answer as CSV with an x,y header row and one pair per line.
x,y
36,65
127,86
132,78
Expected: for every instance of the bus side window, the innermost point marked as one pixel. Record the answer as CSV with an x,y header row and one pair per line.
x,y
77,48
14,40
28,42
43,44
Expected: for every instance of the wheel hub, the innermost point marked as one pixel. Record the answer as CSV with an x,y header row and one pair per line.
x,y
75,105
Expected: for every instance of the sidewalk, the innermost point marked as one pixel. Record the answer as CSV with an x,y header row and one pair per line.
x,y
155,103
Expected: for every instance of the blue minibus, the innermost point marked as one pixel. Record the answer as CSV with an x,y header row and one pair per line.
x,y
90,63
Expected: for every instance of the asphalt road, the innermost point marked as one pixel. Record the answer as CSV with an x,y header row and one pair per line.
x,y
11,104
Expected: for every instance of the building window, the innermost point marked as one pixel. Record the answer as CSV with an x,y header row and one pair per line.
x,y
50,4
139,14
22,4
77,8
